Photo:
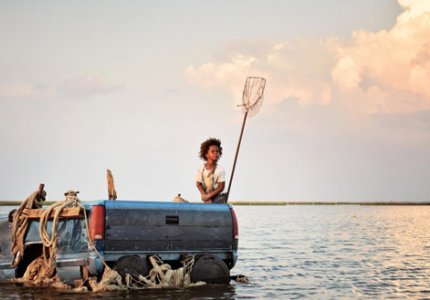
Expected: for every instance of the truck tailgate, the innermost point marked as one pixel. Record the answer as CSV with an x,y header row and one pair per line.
x,y
167,226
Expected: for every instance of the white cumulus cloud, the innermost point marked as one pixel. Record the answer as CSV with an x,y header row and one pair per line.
x,y
371,72
296,69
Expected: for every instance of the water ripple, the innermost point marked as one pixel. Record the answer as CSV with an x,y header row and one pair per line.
x,y
337,251
320,252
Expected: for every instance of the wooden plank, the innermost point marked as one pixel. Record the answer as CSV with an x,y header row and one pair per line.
x,y
66,213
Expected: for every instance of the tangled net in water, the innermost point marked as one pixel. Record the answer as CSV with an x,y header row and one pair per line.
x,y
160,276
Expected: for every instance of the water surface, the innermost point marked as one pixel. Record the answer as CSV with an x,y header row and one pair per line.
x,y
330,252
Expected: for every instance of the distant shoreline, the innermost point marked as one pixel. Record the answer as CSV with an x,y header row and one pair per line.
x,y
280,203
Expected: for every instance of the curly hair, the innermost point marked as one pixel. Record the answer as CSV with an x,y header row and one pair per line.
x,y
204,147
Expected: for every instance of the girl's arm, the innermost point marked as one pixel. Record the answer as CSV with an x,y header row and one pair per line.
x,y
218,190
202,191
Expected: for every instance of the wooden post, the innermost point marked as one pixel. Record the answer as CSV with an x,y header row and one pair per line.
x,y
111,185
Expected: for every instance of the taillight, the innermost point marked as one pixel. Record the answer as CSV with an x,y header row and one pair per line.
x,y
235,226
97,222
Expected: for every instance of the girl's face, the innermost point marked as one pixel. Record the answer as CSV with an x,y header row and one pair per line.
x,y
213,153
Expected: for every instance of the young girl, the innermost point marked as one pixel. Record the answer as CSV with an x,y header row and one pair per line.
x,y
210,178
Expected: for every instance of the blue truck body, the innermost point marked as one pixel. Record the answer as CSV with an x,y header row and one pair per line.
x,y
167,229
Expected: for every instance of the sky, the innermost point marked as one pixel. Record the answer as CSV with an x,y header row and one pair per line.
x,y
136,86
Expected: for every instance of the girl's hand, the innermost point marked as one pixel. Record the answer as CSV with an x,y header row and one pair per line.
x,y
205,197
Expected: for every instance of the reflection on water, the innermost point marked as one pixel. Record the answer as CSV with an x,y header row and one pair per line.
x,y
9,291
337,251
311,251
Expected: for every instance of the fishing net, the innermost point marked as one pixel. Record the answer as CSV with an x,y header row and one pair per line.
x,y
41,271
252,99
20,223
253,95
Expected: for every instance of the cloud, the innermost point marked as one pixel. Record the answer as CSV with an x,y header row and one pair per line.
x,y
414,8
84,86
23,91
384,72
387,70
87,86
292,69
228,74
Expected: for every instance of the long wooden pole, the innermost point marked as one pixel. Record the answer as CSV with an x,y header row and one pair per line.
x,y
237,153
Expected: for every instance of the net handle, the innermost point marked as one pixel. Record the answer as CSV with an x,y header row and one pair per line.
x,y
237,154
261,87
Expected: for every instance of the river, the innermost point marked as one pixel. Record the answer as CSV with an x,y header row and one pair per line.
x,y
305,251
